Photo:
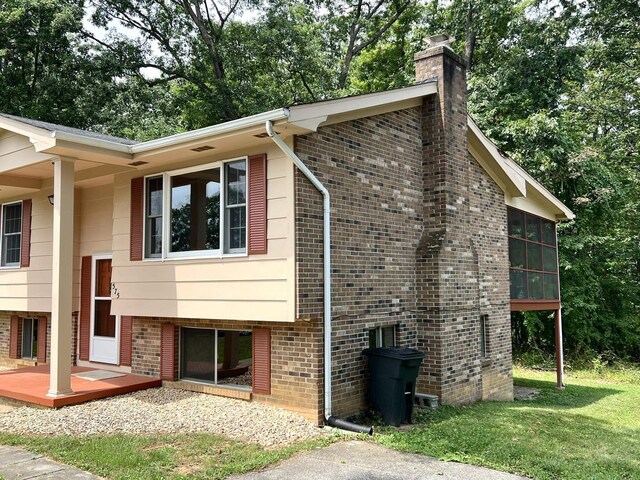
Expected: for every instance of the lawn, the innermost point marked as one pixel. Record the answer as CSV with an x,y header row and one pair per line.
x,y
591,430
191,457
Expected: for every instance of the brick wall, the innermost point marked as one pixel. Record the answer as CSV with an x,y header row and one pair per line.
x,y
296,354
488,222
5,320
5,325
447,258
418,241
372,168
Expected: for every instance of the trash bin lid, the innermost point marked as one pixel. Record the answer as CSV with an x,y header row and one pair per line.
x,y
399,353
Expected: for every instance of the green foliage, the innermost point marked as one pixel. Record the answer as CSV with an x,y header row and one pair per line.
x,y
559,93
46,71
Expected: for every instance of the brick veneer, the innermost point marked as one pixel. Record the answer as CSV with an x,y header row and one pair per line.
x,y
296,367
5,326
372,168
418,241
488,225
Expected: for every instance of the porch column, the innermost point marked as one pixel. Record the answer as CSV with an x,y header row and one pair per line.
x,y
559,351
62,278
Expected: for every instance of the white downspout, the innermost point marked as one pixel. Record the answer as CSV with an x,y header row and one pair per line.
x,y
326,247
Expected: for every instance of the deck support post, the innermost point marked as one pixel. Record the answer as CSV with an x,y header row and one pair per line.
x,y
62,278
559,350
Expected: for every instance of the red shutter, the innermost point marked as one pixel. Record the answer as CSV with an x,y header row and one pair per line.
x,y
14,337
25,247
85,307
126,327
137,213
261,363
168,352
257,204
42,339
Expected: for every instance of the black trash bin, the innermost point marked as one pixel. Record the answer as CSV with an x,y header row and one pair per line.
x,y
392,383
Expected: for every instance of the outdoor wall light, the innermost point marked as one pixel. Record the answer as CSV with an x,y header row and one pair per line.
x,y
50,197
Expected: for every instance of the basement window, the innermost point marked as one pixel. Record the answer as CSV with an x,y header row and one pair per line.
x,y
29,338
216,357
384,337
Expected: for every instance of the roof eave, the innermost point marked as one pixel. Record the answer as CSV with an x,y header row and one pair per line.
x,y
211,131
517,176
313,115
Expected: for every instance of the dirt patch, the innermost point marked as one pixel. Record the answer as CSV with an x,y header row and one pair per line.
x,y
525,393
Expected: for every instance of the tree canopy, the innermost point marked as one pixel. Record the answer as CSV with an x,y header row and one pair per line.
x,y
555,83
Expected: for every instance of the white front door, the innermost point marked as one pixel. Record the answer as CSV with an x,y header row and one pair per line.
x,y
105,328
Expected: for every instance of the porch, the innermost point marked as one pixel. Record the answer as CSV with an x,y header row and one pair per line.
x,y
31,384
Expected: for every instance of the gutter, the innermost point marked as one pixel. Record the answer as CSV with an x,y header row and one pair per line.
x,y
227,127
326,250
193,135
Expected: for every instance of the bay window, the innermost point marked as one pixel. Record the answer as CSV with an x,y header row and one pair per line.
x,y
199,211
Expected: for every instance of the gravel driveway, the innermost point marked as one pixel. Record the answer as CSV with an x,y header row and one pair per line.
x,y
165,410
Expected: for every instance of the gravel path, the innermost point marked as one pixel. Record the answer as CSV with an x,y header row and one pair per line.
x,y
165,410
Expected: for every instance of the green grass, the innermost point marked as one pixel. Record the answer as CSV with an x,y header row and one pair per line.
x,y
199,456
591,430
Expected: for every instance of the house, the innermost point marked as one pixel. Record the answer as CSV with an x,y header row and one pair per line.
x,y
258,258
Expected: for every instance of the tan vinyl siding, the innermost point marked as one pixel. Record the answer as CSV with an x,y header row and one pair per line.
x,y
255,287
96,219
29,288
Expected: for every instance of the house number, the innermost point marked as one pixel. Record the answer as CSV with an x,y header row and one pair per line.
x,y
114,290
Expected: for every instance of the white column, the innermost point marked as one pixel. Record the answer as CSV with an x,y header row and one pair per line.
x,y
62,279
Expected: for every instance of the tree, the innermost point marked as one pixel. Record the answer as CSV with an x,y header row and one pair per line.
x,y
46,72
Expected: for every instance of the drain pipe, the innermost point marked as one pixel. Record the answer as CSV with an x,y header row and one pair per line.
x,y
326,248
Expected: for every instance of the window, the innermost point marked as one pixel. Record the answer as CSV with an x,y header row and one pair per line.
x,y
532,257
104,324
11,234
197,212
217,357
484,319
382,337
29,338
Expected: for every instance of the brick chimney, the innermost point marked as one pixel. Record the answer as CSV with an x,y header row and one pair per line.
x,y
444,137
446,262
